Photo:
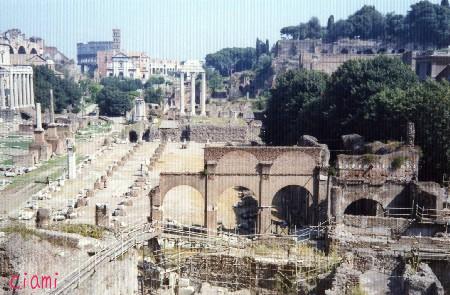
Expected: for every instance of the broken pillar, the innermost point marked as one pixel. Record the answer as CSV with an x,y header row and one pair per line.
x,y
71,160
101,215
42,218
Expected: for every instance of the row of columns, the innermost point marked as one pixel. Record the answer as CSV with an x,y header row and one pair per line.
x,y
202,94
21,92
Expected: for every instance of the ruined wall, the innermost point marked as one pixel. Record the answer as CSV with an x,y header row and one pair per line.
x,y
211,133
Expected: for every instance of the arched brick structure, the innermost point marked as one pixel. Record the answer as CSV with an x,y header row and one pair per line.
x,y
263,170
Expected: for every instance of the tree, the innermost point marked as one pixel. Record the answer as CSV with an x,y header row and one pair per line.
x,y
422,22
426,104
284,124
353,84
113,102
154,80
122,84
330,23
152,95
230,60
395,28
445,3
263,70
314,28
368,23
66,91
214,80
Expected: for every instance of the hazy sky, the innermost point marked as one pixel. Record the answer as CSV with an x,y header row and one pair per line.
x,y
179,29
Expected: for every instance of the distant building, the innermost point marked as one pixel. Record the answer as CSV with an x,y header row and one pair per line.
x,y
130,66
87,52
163,66
433,64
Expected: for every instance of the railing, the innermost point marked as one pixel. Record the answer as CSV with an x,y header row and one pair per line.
x,y
137,234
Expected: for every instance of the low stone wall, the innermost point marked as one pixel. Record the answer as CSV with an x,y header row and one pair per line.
x,y
212,133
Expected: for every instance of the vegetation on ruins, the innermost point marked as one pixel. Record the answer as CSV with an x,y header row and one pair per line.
x,y
398,162
374,98
425,24
85,230
66,92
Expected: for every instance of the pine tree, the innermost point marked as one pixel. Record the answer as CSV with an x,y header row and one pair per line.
x,y
445,3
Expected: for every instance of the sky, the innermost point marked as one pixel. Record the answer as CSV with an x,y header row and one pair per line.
x,y
178,29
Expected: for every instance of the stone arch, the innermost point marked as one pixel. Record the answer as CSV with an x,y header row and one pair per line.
x,y
239,162
33,51
22,50
237,210
133,136
183,204
291,209
365,207
292,163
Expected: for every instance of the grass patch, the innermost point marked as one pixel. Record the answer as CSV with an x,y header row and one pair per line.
x,y
85,230
20,229
52,168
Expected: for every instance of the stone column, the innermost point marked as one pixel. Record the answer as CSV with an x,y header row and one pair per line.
x,y
182,94
16,91
265,200
20,86
203,95
52,108
71,160
27,90
11,91
2,93
38,118
192,94
31,89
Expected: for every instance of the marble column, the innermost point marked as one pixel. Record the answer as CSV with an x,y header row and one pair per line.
x,y
182,107
203,95
2,93
11,91
192,94
38,117
31,89
20,92
16,91
27,90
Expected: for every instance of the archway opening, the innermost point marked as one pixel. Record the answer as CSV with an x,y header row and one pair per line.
x,y
11,50
344,51
184,205
132,136
22,50
365,207
146,135
237,211
33,51
290,209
